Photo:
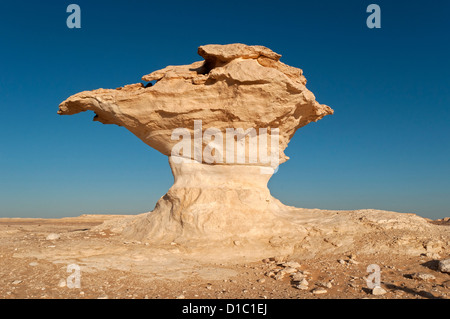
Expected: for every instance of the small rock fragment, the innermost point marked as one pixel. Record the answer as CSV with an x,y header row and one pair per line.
x,y
303,285
278,259
319,291
378,291
291,264
289,270
422,276
353,261
444,265
298,276
353,284
432,255
52,236
280,275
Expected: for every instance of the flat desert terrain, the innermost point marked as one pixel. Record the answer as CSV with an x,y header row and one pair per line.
x,y
35,255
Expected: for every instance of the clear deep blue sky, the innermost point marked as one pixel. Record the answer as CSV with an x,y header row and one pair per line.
x,y
386,147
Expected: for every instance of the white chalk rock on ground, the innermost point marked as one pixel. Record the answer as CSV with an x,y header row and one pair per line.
x,y
444,265
220,190
52,236
220,198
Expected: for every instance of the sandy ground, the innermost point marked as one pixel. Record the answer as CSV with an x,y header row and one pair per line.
x,y
32,265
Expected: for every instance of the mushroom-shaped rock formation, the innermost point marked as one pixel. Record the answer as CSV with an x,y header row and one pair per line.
x,y
224,123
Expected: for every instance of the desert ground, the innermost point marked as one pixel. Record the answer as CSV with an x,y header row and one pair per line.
x,y
35,255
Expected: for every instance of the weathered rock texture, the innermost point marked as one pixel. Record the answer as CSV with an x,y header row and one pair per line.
x,y
235,87
228,204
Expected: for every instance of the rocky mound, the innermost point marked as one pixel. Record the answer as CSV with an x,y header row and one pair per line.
x,y
224,123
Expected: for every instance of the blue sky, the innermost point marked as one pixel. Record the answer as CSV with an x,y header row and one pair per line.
x,y
386,146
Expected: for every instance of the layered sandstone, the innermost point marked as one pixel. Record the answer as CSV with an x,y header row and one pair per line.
x,y
236,86
238,91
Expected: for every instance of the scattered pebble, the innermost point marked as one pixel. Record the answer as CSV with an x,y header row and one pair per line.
x,y
352,261
289,270
291,264
280,275
278,259
298,276
319,291
444,265
353,284
303,285
422,276
181,297
52,236
16,282
378,291
328,285
432,255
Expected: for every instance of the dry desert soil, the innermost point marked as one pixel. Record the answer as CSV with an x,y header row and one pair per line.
x,y
35,265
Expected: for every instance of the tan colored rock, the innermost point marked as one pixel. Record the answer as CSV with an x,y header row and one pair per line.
x,y
444,265
237,86
241,90
378,291
213,204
